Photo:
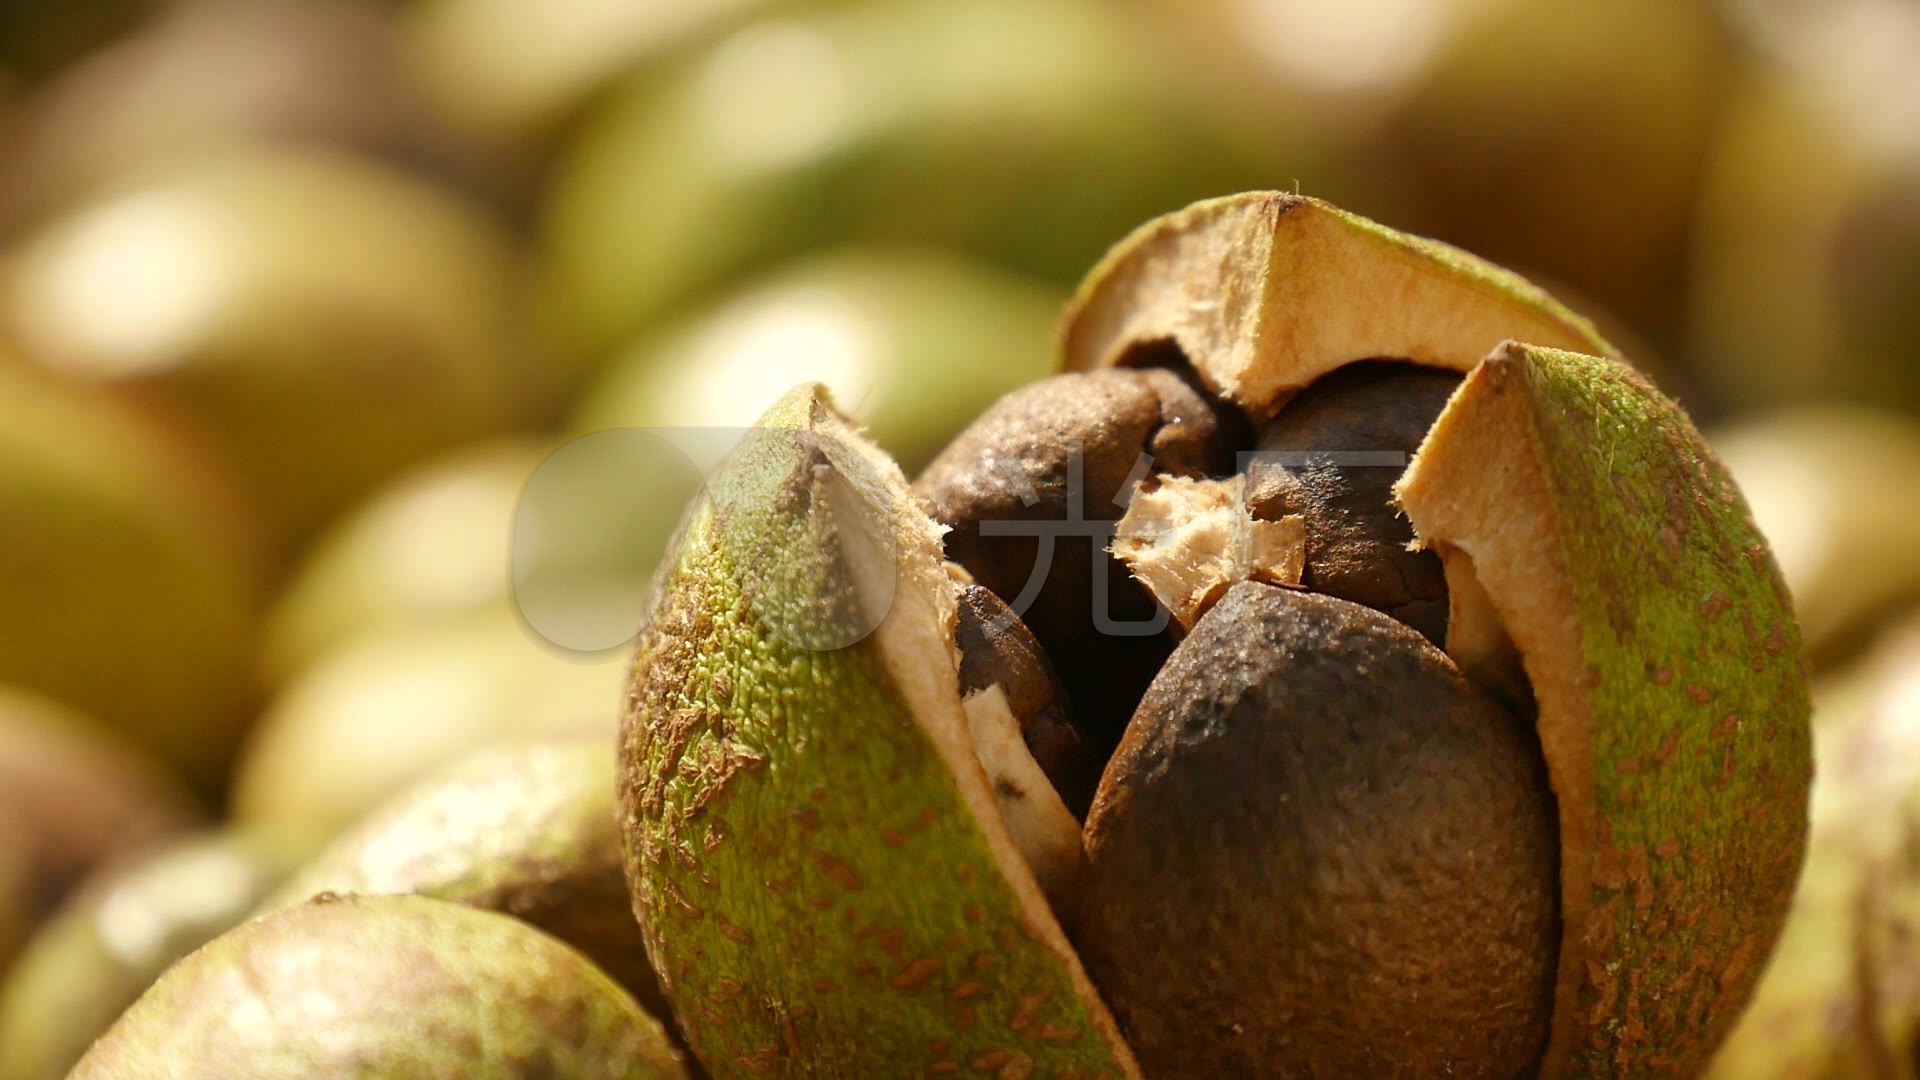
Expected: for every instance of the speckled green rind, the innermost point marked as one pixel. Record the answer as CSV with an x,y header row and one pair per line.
x,y
125,926
383,987
1673,703
817,894
528,831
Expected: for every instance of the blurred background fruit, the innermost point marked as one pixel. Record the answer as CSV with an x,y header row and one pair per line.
x,y
1830,487
72,796
124,926
357,357
203,73
316,320
1809,258
37,36
1563,141
385,708
911,343
1588,176
437,539
16,916
129,579
513,72
567,532
591,524
1033,134
527,830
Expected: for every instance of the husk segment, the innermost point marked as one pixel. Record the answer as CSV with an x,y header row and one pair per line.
x,y
824,883
1582,507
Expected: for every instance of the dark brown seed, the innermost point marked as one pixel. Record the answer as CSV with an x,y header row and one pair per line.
x,y
1046,472
1356,540
997,649
1320,851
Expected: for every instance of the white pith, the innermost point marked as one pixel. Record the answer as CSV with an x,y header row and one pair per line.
x,y
1043,828
1186,540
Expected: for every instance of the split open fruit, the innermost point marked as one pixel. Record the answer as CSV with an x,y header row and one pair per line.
x,y
1528,798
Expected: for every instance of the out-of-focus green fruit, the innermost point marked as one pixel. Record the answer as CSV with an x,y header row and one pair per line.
x,y
127,575
591,525
1030,133
913,344
205,72
528,831
384,986
435,540
1831,488
513,71
1841,996
570,535
321,320
71,796
1567,141
1808,262
388,707
115,936
1602,109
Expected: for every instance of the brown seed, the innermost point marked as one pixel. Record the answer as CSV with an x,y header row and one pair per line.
x,y
1319,851
1356,539
1058,460
997,649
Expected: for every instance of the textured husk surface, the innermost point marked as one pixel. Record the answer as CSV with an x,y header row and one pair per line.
x,y
824,886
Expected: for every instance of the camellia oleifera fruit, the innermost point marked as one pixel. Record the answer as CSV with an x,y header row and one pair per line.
x,y
528,831
1554,831
120,930
73,797
195,291
385,709
384,986
122,551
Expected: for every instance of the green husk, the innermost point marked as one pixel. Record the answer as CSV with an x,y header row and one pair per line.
x,y
823,885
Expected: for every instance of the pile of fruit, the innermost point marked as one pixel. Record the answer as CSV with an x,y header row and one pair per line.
x,y
812,537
